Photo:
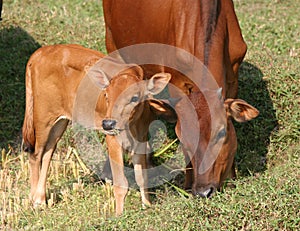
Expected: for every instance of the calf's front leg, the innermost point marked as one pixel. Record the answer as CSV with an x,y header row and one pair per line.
x,y
120,183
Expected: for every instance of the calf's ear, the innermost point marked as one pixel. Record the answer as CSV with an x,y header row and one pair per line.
x,y
240,110
158,82
99,78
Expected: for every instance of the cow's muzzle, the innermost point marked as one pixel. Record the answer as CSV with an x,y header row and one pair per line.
x,y
205,192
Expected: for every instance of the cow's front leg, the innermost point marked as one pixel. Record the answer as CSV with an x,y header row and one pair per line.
x,y
188,181
120,183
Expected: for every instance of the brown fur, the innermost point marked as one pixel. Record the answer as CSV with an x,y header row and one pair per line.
x,y
210,31
62,82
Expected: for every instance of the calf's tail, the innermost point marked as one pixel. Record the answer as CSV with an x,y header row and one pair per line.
x,y
28,126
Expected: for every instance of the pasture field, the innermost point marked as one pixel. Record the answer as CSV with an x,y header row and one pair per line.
x,y
266,195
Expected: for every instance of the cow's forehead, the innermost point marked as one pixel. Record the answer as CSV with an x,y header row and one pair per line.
x,y
210,110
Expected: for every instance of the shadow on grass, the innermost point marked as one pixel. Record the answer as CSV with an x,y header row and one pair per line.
x,y
254,136
16,46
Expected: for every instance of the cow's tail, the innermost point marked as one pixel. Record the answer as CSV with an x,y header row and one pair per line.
x,y
28,126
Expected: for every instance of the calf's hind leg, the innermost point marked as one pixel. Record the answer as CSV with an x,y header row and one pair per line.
x,y
40,161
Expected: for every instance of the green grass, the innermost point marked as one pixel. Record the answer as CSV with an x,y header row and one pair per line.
x,y
267,192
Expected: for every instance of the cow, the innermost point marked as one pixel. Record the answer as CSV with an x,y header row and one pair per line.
x,y
72,83
209,31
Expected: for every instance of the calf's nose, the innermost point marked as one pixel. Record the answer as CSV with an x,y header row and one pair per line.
x,y
108,124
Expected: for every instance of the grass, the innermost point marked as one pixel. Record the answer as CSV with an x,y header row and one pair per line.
x,y
267,192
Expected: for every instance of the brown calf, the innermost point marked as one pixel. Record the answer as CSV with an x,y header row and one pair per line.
x,y
61,83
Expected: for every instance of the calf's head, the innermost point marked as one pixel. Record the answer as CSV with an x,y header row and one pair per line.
x,y
124,93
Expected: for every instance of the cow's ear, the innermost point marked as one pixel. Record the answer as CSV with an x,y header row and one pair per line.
x,y
98,77
163,110
158,82
240,110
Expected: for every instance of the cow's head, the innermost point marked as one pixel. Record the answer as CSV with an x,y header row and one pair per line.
x,y
212,157
125,92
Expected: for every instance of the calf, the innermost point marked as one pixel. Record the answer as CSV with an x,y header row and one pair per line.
x,y
62,82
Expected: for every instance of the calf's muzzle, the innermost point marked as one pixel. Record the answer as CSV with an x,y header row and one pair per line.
x,y
109,124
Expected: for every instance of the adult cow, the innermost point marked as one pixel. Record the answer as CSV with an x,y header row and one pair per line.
x,y
209,30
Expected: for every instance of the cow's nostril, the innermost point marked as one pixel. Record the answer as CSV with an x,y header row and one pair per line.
x,y
108,124
206,193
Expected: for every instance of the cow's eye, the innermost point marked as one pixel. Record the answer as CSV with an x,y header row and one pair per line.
x,y
134,99
222,133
